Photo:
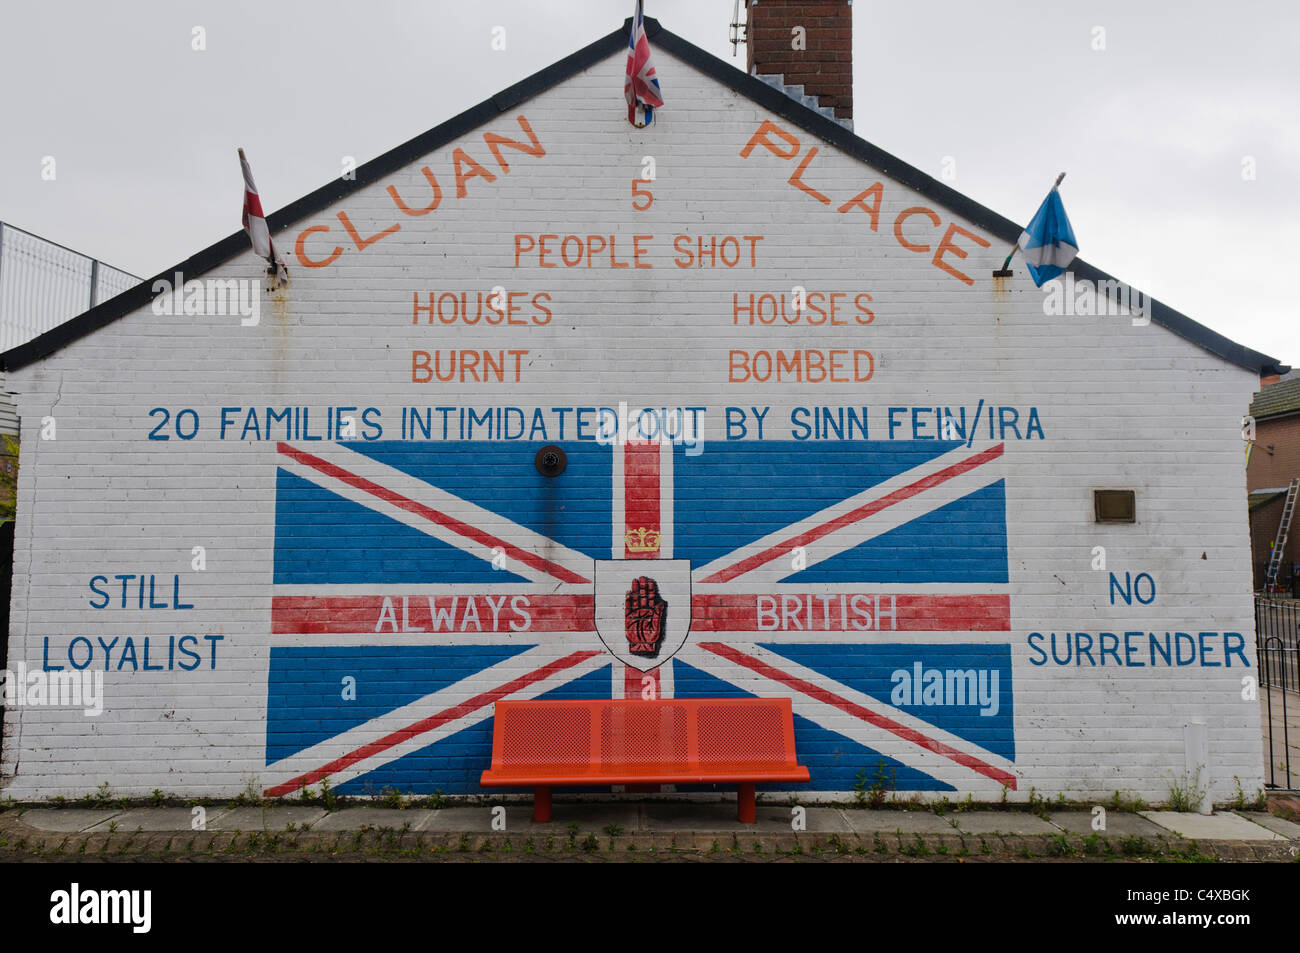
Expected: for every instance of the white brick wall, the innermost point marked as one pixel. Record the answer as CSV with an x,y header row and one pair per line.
x,y
1121,406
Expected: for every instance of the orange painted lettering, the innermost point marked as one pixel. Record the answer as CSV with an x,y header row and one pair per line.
x,y
638,251
420,362
512,308
796,179
543,252
877,191
760,138
836,356
737,361
495,142
300,250
871,315
437,195
364,243
947,246
520,248
903,216
518,356
857,366
462,162
537,318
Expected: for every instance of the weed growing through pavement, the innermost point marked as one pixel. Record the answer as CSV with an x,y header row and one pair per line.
x,y
1060,846
1186,793
1118,802
1258,803
872,791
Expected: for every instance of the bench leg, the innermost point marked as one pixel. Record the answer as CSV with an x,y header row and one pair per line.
x,y
541,805
745,803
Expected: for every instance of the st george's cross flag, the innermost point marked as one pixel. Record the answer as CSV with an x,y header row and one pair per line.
x,y
641,85
1048,243
255,223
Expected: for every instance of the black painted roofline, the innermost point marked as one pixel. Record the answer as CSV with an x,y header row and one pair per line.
x,y
766,96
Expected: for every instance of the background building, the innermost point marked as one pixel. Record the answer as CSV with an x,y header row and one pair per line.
x,y
1273,462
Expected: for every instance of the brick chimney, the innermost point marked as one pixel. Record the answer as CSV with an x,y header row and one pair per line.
x,y
807,43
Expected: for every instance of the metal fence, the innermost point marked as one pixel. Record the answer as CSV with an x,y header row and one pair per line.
x,y
1277,639
43,284
1277,647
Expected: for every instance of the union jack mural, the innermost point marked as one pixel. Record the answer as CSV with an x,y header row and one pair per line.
x,y
866,580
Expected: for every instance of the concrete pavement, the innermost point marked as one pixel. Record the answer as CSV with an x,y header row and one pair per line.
x,y
656,818
1281,710
625,831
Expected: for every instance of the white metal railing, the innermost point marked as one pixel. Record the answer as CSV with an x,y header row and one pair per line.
x,y
43,284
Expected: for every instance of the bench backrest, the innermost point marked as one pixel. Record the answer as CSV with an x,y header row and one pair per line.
x,y
710,732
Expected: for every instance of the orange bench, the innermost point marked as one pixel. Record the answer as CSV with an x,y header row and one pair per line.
x,y
545,744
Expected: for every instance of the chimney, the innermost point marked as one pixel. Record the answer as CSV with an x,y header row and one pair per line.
x,y
807,43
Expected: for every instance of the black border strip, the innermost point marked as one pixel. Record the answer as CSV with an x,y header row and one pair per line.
x,y
766,96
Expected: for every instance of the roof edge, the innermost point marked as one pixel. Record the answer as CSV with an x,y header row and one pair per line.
x,y
1276,415
278,221
755,89
811,121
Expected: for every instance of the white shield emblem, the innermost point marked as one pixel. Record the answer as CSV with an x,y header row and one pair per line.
x,y
643,609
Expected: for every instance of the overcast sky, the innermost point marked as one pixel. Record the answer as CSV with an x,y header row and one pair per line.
x,y
1155,130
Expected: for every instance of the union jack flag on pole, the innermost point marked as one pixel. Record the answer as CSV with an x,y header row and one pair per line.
x,y
641,87
255,223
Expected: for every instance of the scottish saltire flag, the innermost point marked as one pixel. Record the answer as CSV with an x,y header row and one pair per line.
x,y
641,85
1048,243
255,222
416,583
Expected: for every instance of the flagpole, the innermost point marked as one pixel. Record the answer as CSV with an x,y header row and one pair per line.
x,y
639,20
1005,271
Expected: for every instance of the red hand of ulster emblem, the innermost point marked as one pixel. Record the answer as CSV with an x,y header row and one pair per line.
x,y
644,616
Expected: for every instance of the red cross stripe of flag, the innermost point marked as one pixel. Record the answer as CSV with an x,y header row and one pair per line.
x,y
255,223
641,86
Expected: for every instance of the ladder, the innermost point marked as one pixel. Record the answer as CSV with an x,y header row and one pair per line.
x,y
1283,528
